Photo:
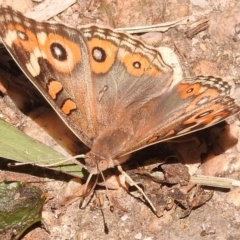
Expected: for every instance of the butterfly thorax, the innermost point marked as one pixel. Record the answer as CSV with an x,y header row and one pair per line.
x,y
106,150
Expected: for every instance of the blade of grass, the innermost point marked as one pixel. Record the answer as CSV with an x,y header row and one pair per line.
x,y
17,146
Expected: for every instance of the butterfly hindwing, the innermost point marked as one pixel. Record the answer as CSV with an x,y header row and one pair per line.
x,y
193,104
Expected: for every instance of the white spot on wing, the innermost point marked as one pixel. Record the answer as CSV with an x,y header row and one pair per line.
x,y
8,17
203,101
10,37
33,65
28,24
171,58
97,54
38,53
22,35
57,51
42,37
16,19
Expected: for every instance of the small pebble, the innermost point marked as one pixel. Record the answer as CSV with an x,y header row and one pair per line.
x,y
138,236
124,217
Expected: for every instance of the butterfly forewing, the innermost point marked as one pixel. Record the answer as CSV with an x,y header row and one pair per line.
x,y
124,69
54,58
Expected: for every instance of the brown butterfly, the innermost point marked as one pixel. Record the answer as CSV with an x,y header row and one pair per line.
x,y
114,92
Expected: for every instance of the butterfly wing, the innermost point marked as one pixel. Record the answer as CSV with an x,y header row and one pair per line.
x,y
193,104
54,58
124,70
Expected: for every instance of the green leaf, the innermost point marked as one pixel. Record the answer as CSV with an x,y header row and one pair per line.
x,y
17,146
20,207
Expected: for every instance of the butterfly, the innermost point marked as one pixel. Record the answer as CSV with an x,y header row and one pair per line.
x,y
115,93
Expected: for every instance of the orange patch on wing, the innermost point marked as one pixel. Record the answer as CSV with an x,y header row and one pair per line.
x,y
217,114
157,138
210,94
153,139
130,59
72,50
170,133
54,87
187,90
110,51
153,71
30,43
68,106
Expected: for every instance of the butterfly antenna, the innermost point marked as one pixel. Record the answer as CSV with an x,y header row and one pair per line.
x,y
56,164
140,189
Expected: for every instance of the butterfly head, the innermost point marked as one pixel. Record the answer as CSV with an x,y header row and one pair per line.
x,y
97,163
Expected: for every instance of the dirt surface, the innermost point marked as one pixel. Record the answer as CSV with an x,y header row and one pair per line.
x,y
207,45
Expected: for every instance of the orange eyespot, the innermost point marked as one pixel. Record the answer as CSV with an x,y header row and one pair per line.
x,y
102,55
187,90
62,53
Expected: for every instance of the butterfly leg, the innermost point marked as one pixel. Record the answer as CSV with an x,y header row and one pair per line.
x,y
140,189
